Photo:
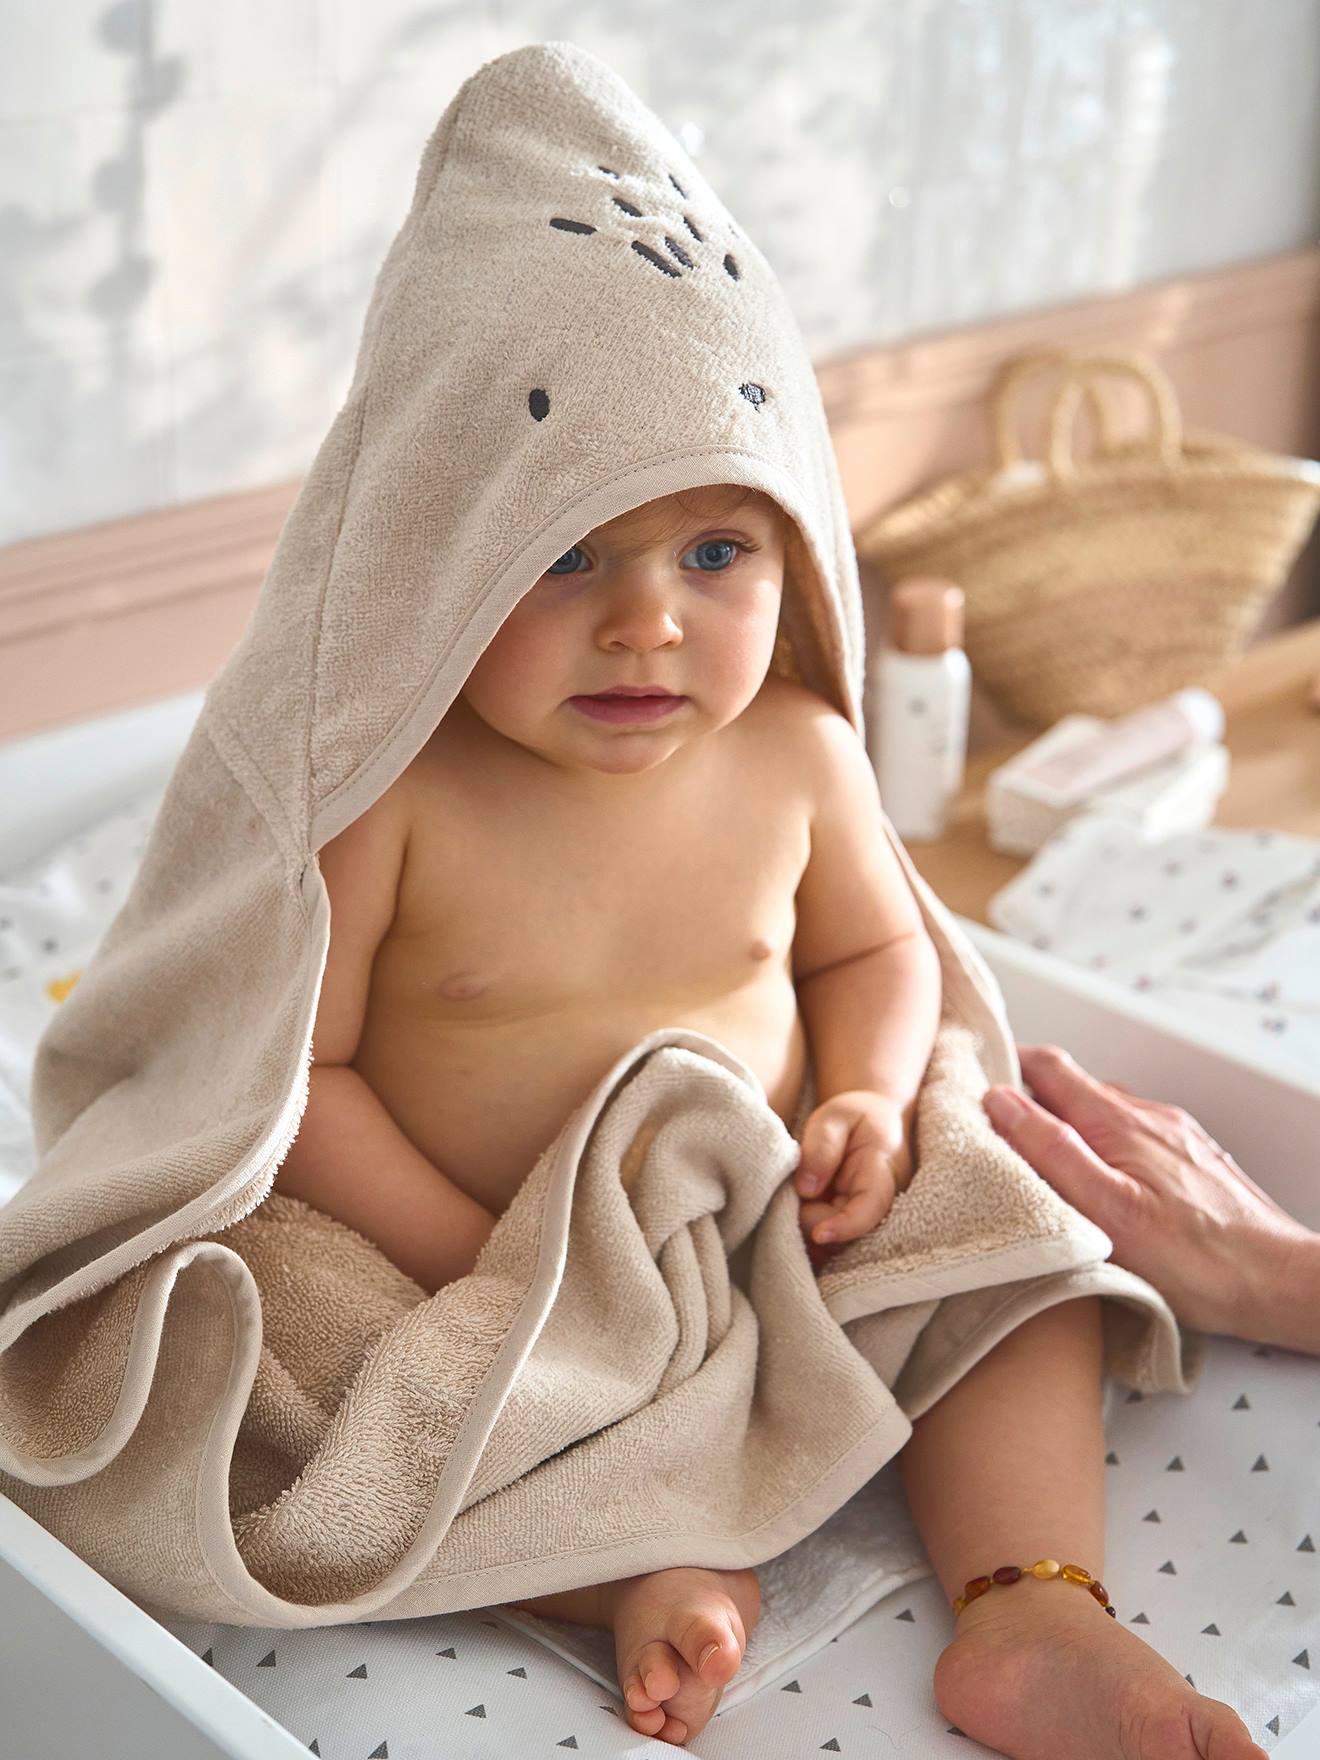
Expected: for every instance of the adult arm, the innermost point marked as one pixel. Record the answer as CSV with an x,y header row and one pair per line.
x,y
1180,1211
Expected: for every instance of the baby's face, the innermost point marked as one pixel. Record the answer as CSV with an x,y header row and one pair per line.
x,y
681,594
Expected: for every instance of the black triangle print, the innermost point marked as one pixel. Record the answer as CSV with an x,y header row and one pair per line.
x,y
1167,1570
1261,1465
1238,1539
865,1699
1242,1403
831,1747
1307,1545
908,1615
1273,1725
520,1672
1211,1631
477,1710
1303,1657
792,1687
1112,1460
1189,1680
381,1753
1151,1515
1175,1465
208,1658
313,1747
450,1653
1134,1397
1139,1619
568,1742
357,1674
268,1660
1285,1600
614,1710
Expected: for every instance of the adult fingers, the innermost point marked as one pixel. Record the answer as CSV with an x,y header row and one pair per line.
x,y
1106,1113
1060,1083
1141,1100
1060,1155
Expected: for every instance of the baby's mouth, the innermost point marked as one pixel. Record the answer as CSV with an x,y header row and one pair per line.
x,y
628,706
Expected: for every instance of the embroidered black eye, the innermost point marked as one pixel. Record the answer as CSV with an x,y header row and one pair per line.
x,y
718,561
754,394
538,402
571,558
644,250
730,263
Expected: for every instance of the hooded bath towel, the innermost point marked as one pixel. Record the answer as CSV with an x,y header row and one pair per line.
x,y
234,1406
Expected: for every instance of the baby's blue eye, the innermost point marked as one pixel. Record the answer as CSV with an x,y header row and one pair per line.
x,y
713,563
569,558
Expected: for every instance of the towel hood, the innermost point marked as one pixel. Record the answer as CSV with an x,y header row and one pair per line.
x,y
569,323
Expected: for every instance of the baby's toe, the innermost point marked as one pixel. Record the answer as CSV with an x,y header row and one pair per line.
x,y
647,1723
711,1649
1220,1733
653,1675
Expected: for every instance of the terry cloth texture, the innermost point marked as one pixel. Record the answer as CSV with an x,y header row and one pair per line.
x,y
235,1407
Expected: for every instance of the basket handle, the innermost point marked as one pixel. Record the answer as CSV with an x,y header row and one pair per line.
x,y
1004,417
1080,379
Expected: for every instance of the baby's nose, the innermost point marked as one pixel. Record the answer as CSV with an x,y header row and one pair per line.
x,y
651,623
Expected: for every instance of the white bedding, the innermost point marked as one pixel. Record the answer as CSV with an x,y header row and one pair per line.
x,y
1213,1519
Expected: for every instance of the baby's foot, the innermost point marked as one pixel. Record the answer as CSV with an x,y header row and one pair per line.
x,y
1047,1672
679,1637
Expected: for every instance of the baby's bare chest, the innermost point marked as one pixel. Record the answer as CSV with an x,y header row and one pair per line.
x,y
534,944
526,914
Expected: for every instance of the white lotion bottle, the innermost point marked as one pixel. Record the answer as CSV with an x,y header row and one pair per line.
x,y
920,697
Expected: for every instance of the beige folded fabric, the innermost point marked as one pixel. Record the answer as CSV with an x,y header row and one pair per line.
x,y
234,1406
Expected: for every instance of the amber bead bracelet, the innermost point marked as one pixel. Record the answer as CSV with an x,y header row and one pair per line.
x,y
1043,1568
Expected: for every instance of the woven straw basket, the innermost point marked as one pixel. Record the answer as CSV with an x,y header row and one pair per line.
x,y
1099,585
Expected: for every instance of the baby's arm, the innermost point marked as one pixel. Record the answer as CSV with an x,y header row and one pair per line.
x,y
350,1159
866,971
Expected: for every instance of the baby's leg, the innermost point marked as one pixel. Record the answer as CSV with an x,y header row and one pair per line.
x,y
1006,1469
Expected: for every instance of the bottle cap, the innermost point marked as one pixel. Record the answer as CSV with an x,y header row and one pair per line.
x,y
925,615
1205,712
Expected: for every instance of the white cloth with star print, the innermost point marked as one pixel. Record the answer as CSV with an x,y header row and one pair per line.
x,y
1220,924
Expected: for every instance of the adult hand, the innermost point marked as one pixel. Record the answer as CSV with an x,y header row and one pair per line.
x,y
1180,1211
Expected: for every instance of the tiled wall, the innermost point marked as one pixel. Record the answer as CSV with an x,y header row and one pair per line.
x,y
195,195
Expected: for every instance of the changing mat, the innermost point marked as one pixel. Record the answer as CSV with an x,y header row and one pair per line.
x,y
235,1407
1210,1551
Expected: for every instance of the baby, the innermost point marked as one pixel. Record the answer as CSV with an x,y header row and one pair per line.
x,y
627,821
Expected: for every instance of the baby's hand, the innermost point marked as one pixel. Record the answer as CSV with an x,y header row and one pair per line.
x,y
857,1141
